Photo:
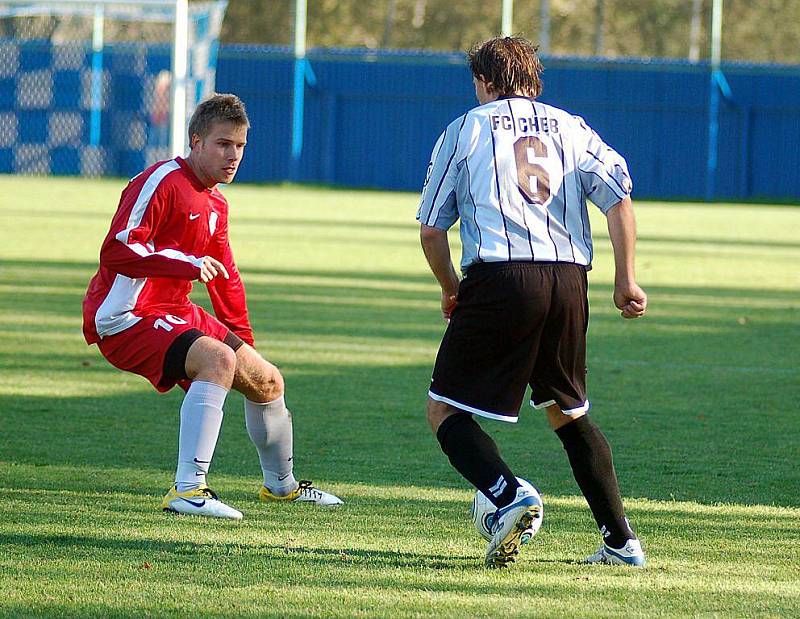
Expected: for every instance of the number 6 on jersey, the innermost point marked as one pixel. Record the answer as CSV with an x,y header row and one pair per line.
x,y
526,150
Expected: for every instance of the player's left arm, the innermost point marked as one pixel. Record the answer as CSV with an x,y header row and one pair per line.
x,y
605,180
628,296
228,295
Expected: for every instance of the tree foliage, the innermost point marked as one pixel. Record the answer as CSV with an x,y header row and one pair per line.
x,y
765,31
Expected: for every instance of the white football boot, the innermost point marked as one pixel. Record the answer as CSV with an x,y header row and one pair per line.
x,y
305,492
630,554
201,501
512,525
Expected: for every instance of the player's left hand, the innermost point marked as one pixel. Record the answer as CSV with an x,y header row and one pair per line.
x,y
631,299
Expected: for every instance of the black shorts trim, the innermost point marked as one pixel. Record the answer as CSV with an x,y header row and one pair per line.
x,y
233,340
175,359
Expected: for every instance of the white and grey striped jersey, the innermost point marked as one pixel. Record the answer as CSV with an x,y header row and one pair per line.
x,y
517,173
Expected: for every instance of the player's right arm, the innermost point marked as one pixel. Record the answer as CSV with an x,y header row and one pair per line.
x,y
129,250
437,207
437,252
438,211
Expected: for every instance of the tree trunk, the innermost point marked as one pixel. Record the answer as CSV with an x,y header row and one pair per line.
x,y
694,34
599,27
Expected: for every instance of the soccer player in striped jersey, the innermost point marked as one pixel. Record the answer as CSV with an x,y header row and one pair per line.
x,y
171,228
517,174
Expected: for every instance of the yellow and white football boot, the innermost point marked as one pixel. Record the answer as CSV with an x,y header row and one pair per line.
x,y
201,501
304,493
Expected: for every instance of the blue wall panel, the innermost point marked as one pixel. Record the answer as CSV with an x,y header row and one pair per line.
x,y
264,82
371,118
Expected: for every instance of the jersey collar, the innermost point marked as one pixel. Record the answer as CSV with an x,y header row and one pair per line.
x,y
515,97
191,175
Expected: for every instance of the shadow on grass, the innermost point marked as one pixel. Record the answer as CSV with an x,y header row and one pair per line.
x,y
741,242
181,551
689,403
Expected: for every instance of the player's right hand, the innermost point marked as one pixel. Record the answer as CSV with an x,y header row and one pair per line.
x,y
210,268
448,305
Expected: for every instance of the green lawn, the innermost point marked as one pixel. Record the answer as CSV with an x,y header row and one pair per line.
x,y
698,401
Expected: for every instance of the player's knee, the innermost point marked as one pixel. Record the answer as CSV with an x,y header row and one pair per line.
x,y
270,386
222,361
437,412
211,360
261,383
557,418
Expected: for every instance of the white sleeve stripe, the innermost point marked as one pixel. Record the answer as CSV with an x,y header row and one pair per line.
x,y
172,254
143,199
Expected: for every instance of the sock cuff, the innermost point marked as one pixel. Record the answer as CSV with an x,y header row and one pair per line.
x,y
276,401
447,425
208,389
275,408
576,429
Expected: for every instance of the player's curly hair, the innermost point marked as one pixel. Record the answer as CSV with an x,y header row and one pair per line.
x,y
216,108
511,64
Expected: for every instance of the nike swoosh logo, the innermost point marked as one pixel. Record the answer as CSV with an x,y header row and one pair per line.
x,y
282,477
193,216
202,461
195,503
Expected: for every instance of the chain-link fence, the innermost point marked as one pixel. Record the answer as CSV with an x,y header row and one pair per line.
x,y
86,88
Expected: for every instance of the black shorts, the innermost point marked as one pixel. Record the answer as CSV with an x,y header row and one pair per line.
x,y
516,324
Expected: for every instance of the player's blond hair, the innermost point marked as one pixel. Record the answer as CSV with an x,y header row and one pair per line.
x,y
510,64
217,108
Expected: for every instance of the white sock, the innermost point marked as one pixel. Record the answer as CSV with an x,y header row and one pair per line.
x,y
201,419
270,428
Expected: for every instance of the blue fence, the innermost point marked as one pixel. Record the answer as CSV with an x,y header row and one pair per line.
x,y
47,124
371,118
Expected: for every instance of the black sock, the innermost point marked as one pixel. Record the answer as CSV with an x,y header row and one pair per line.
x,y
474,454
590,457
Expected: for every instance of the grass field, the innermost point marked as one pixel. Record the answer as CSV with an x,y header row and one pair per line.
x,y
698,400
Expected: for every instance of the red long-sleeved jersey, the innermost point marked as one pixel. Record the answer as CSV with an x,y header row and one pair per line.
x,y
166,222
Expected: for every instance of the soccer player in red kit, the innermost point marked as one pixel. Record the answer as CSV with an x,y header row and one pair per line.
x,y
171,228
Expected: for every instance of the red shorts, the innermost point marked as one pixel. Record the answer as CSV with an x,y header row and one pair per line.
x,y
141,348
